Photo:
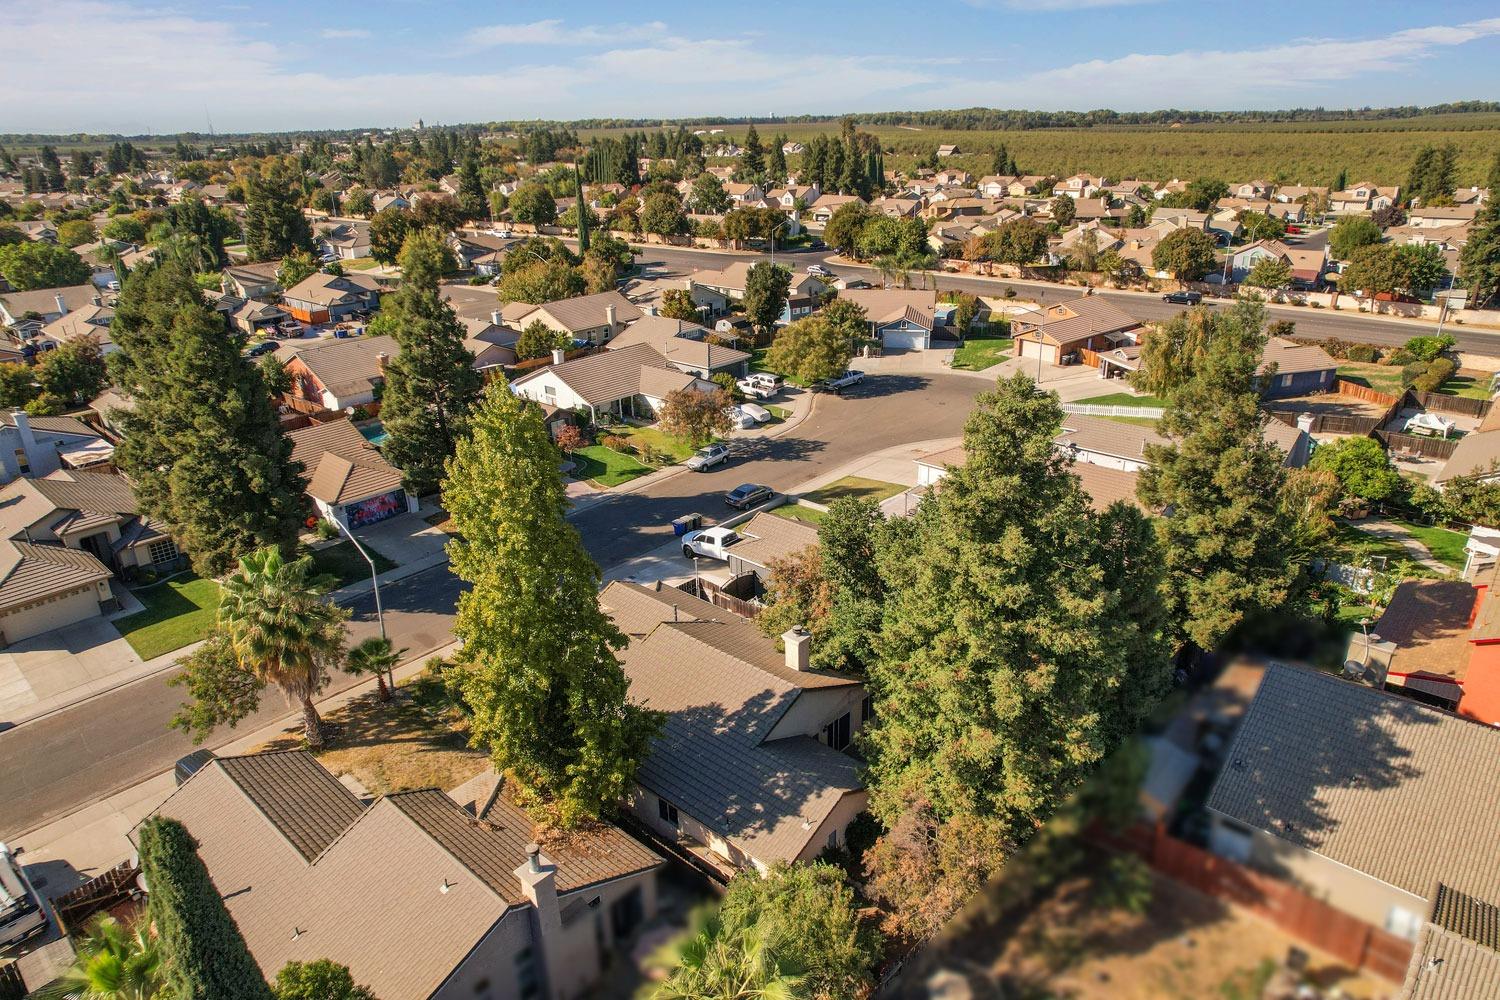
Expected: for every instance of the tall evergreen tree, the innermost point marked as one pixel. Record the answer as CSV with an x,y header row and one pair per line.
x,y
471,196
583,212
202,443
1225,546
1479,261
538,668
207,958
753,161
274,223
776,164
52,168
430,385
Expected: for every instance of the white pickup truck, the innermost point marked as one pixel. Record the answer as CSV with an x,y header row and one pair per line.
x,y
758,388
21,913
710,543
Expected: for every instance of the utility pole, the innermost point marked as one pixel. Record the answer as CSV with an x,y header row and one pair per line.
x,y
375,580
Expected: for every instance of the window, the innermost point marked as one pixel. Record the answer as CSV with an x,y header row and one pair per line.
x,y
549,391
528,985
867,709
836,733
833,838
667,811
162,551
1286,380
22,462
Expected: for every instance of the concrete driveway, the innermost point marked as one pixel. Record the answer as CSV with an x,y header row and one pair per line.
x,y
58,668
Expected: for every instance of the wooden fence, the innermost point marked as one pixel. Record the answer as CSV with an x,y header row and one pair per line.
x,y
1427,447
1331,423
1462,405
1344,387
99,893
1348,939
723,597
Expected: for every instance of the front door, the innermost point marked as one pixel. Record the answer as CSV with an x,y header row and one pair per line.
x,y
98,546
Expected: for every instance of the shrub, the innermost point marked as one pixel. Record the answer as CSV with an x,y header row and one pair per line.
x,y
1361,467
1362,353
326,529
1410,373
1125,884
1428,348
615,442
1336,348
1437,373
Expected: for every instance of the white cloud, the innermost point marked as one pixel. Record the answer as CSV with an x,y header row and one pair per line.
x,y
555,32
338,33
1051,6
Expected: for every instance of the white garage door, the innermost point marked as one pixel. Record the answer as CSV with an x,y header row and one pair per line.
x,y
897,340
54,614
1031,348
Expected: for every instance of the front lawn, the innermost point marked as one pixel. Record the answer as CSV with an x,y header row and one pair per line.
x,y
1124,399
605,467
798,512
360,264
177,612
657,440
978,353
1381,378
344,563
1467,386
857,487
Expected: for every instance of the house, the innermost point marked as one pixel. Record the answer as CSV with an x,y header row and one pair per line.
x,y
1477,453
750,768
419,893
1374,803
93,512
90,321
948,150
252,281
328,298
1361,198
46,587
250,316
594,318
348,480
1300,369
343,239
1251,190
479,253
341,374
745,195
631,381
686,346
767,539
1457,953
1065,330
826,204
803,294
1103,484
493,345
1289,193
901,319
23,314
39,446
383,200
1080,186
1441,217
1306,265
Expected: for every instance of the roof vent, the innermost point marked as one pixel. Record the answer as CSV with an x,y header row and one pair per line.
x,y
1238,764
534,856
446,886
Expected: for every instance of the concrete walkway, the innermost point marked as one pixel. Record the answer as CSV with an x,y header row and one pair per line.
x,y
1415,550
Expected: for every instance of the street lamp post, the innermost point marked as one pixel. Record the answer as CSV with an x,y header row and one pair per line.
x,y
773,239
375,580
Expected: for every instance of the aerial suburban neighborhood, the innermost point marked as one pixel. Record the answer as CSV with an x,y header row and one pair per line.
x,y
828,554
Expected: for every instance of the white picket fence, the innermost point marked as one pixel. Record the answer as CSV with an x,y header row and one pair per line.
x,y
1095,410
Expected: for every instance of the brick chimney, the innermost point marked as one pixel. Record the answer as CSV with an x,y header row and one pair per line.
x,y
798,643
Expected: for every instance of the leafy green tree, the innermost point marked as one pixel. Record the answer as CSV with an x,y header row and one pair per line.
x,y
274,223
202,444
1260,226
708,196
1361,467
1423,266
296,267
847,316
538,668
111,962
210,227
533,203
320,980
1185,254
811,349
388,231
696,417
206,958
76,232
1350,233
766,288
662,214
776,162
126,229
17,386
846,224
358,201
539,282
1018,241
274,374
1022,642
538,340
1225,547
1063,209
35,264
471,188
1433,175
1479,260
677,303
1269,273
714,964
430,385
220,691
74,373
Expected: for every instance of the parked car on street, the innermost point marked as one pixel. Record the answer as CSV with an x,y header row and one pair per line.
x,y
710,543
707,457
748,495
819,270
1183,298
841,382
21,912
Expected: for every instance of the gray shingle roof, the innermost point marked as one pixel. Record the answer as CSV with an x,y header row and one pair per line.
x,y
1404,793
638,609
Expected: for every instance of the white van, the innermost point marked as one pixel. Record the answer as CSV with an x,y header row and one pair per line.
x,y
21,913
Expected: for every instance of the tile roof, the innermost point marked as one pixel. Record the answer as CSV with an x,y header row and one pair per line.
x,y
586,312
326,289
768,538
44,300
1292,358
1428,620
1107,437
1401,792
339,465
301,799
637,609
1105,485
605,376
1076,320
1462,914
891,305
1449,966
29,572
346,367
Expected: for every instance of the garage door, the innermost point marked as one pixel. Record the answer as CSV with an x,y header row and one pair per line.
x,y
1032,348
53,614
897,340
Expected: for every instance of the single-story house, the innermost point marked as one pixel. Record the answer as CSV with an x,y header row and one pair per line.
x,y
328,298
348,480
686,346
252,281
480,253
750,768
46,587
595,318
93,512
631,381
341,374
1366,800
420,893
1299,369
803,294
901,318
343,239
1063,331
23,314
1103,484
1441,217
822,209
766,539
38,446
1306,265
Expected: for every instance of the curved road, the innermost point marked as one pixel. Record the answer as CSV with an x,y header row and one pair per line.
x,y
61,762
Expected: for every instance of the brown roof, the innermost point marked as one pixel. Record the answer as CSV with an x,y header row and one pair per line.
x,y
638,609
346,367
29,572
1447,965
1406,794
67,501
1428,620
891,305
302,800
1076,320
44,300
1105,485
326,289
1476,454
1292,358
768,538
605,376
1107,437
339,465
585,312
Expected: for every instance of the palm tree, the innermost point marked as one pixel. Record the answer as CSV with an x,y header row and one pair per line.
x,y
113,962
282,630
715,964
374,656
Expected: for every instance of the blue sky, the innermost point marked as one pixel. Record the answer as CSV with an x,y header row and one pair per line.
x,y
138,66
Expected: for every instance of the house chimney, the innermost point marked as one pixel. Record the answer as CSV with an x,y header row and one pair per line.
x,y
534,858
1305,423
62,307
798,645
609,317
559,355
538,878
382,360
28,439
495,317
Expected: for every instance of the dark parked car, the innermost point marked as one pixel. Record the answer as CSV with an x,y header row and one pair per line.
x,y
192,764
1183,298
747,495
264,347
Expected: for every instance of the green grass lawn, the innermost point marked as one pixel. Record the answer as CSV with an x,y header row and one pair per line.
x,y
778,413
856,487
1350,543
360,264
344,563
1446,546
1381,378
663,442
1123,399
798,512
178,611
978,353
1466,386
604,467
